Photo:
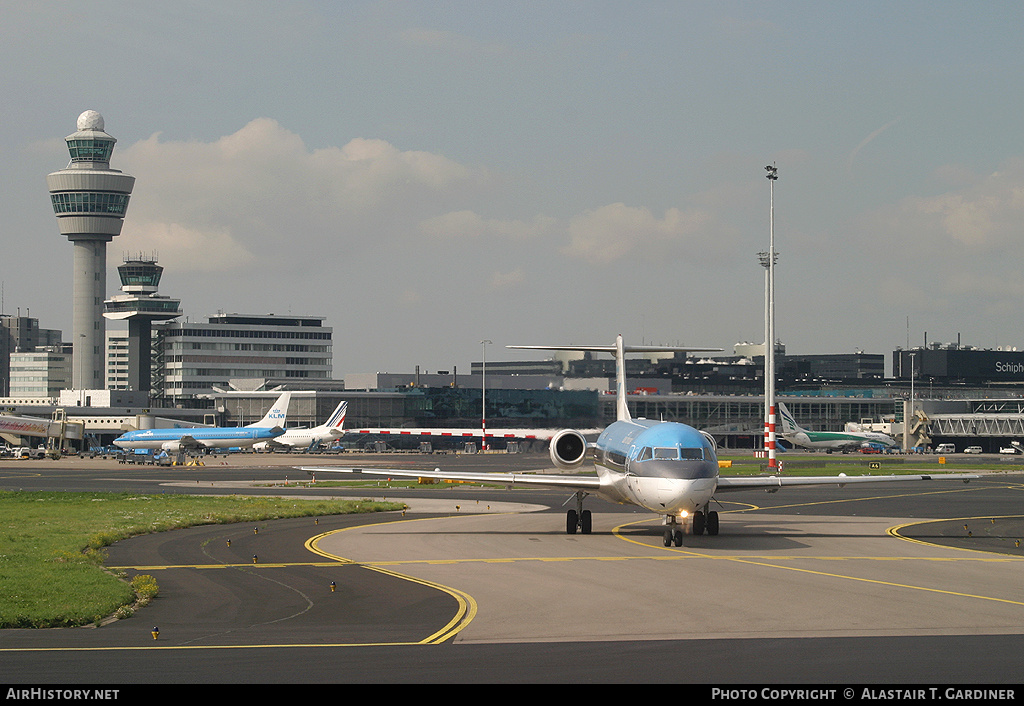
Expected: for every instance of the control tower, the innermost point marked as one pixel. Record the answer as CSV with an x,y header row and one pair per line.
x,y
140,305
90,200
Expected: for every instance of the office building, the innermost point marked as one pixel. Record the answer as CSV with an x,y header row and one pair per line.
x,y
201,358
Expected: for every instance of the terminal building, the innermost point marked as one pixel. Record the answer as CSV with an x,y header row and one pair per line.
x,y
200,358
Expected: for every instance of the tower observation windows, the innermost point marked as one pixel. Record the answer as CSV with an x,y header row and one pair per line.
x,y
90,150
95,202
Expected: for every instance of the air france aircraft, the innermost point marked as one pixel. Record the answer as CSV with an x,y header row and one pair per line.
x,y
330,430
829,440
668,468
197,438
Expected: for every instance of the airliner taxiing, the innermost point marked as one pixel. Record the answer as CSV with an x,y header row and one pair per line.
x,y
830,440
198,438
668,468
307,438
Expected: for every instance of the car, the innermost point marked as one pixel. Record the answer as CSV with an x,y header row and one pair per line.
x,y
972,450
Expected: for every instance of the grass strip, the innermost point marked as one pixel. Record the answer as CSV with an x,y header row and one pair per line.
x,y
52,545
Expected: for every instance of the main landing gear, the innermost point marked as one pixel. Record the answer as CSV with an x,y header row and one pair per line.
x,y
578,519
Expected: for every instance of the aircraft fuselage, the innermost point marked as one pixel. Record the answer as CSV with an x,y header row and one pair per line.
x,y
665,467
208,437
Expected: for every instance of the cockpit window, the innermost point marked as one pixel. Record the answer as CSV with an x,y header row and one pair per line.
x,y
670,453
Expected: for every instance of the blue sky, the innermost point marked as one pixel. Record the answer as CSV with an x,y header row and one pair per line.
x,y
426,175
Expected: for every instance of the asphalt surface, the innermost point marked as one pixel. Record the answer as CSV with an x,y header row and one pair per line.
x,y
893,583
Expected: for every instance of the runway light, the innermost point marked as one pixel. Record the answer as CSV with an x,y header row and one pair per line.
x,y
333,586
229,542
255,559
255,530
156,633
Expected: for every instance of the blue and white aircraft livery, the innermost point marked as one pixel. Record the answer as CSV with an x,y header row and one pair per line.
x,y
668,468
199,438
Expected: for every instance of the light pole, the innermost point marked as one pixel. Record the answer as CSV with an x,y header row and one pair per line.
x,y
483,396
769,354
906,424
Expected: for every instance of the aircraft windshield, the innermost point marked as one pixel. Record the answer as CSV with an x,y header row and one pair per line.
x,y
670,453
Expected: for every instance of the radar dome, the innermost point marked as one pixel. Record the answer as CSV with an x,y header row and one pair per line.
x,y
90,120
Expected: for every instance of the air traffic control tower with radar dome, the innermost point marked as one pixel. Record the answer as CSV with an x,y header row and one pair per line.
x,y
90,201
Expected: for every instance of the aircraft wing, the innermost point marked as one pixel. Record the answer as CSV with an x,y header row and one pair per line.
x,y
770,483
182,443
571,482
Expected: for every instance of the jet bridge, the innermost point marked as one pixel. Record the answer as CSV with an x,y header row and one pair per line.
x,y
970,425
55,430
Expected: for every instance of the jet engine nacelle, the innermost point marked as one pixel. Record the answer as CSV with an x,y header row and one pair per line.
x,y
568,449
171,446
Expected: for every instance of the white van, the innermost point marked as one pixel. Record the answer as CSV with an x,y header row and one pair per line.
x,y
945,449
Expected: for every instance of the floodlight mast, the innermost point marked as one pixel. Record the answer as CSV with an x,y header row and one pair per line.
x,y
769,358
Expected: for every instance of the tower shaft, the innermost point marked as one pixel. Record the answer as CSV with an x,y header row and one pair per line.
x,y
88,286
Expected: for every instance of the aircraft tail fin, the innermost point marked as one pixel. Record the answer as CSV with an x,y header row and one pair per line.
x,y
789,425
277,413
619,350
337,418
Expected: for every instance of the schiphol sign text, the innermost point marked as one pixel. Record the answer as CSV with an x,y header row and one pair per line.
x,y
1012,368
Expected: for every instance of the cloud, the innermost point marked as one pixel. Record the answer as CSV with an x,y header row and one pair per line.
x,y
183,249
469,225
260,193
983,217
613,232
506,280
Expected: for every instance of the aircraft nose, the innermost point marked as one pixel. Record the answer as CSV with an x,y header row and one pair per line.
x,y
685,495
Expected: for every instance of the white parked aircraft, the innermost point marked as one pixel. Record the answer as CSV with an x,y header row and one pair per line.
x,y
668,468
307,438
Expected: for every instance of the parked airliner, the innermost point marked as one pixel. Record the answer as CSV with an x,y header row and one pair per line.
x,y
307,438
197,438
829,440
668,468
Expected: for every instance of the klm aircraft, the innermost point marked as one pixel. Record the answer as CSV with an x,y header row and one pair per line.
x,y
830,440
201,438
668,468
332,429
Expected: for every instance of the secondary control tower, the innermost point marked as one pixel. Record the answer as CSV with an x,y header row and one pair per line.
x,y
140,306
90,201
